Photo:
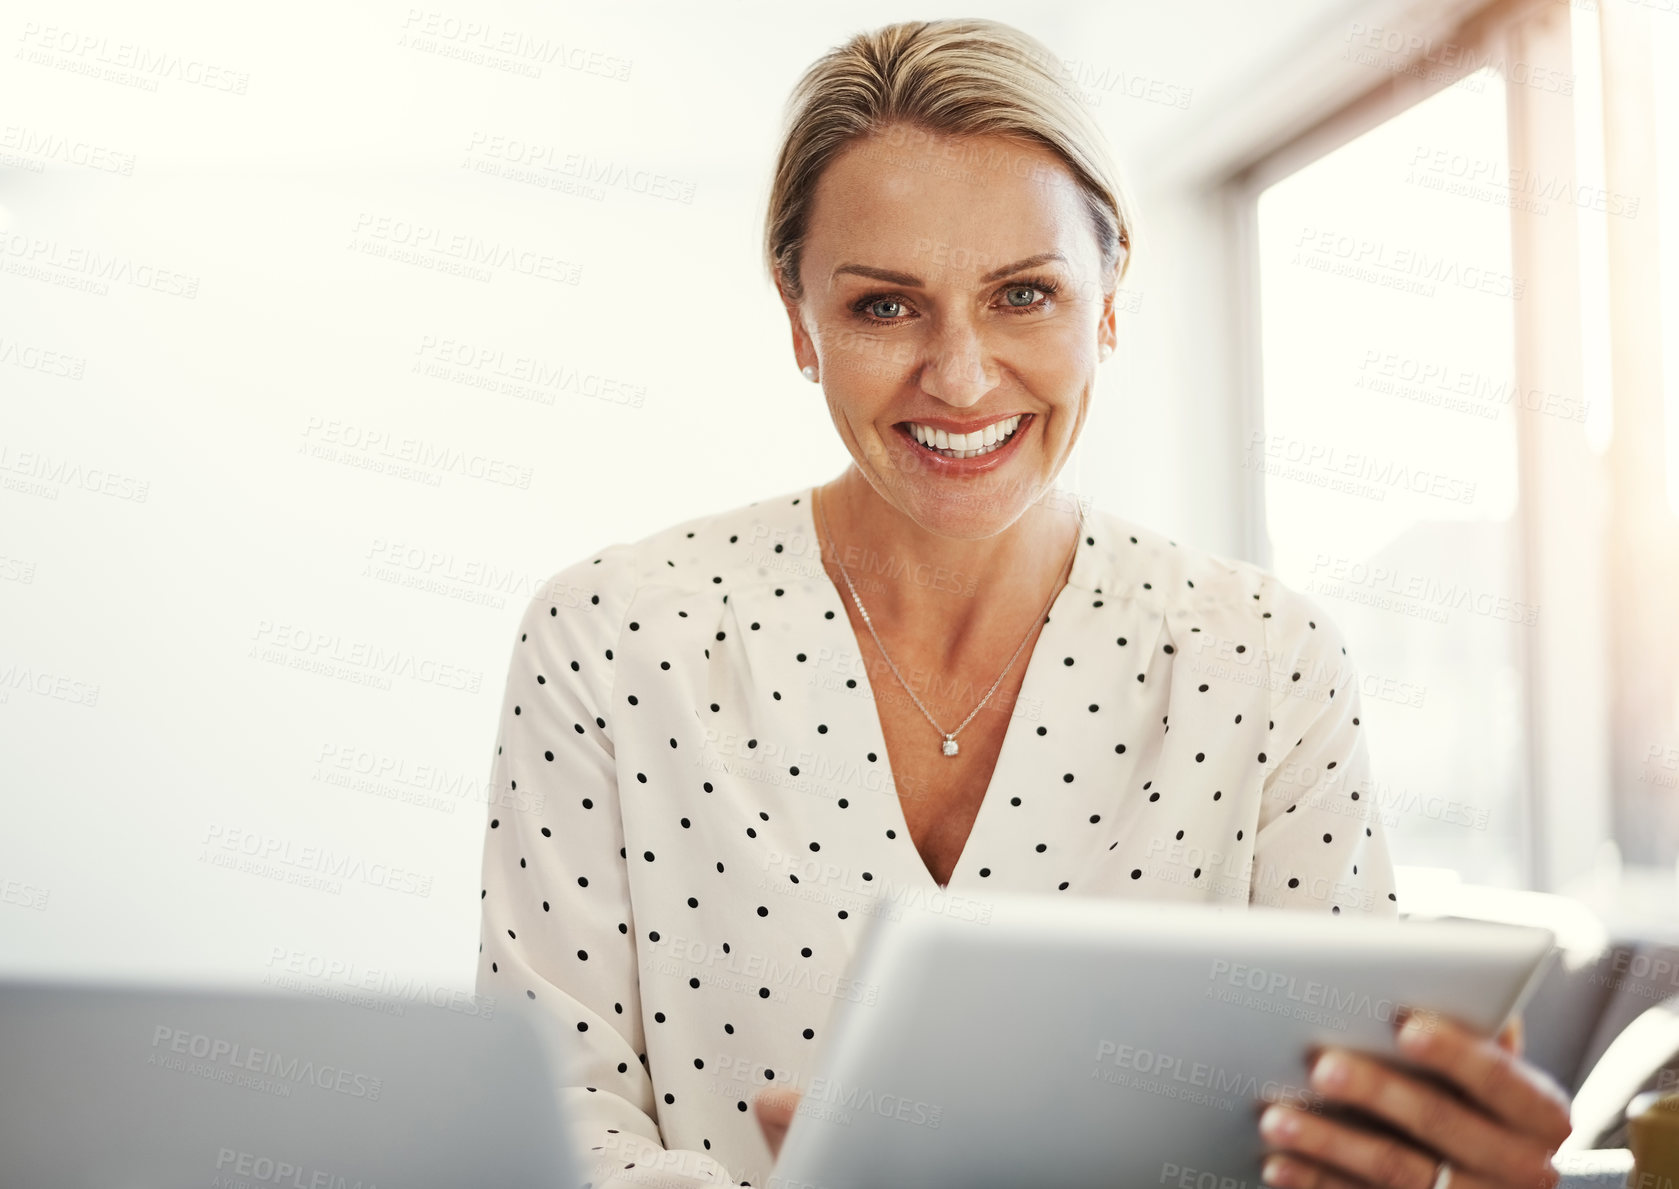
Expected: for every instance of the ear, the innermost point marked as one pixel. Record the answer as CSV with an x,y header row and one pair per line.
x,y
1107,330
804,350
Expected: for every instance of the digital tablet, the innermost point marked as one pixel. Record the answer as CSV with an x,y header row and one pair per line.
x,y
168,1087
1054,1042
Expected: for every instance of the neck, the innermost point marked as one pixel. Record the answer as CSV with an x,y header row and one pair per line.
x,y
949,595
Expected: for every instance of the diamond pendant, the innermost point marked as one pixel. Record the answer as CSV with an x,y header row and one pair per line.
x,y
949,746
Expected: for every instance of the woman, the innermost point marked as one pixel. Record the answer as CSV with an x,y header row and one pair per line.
x,y
933,677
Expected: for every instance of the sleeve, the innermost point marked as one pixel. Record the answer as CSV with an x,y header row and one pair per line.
x,y
557,935
1320,844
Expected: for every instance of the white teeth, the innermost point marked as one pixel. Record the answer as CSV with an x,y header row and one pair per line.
x,y
969,445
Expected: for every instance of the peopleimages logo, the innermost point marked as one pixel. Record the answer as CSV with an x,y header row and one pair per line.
x,y
1183,1177
826,1092
1171,1075
320,867
236,1169
680,955
1415,595
374,987
526,377
83,52
230,1057
1307,992
1376,476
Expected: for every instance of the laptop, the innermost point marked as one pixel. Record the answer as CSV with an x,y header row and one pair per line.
x,y
171,1087
1054,1042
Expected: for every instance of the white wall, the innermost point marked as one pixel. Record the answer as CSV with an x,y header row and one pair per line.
x,y
206,599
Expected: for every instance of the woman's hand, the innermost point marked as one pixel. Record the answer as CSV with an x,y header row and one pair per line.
x,y
774,1106
1501,1127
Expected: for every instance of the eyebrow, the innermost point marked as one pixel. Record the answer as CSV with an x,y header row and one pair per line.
x,y
913,282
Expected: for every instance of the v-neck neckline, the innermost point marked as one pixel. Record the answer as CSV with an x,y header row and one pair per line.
x,y
1078,576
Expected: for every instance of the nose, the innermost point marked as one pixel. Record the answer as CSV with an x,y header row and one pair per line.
x,y
956,370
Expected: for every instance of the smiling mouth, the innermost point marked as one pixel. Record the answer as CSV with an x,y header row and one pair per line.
x,y
973,445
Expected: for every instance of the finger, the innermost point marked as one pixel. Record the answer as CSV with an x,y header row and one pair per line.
x,y
1350,1152
1511,1036
1431,1115
774,1109
1495,1079
1296,1172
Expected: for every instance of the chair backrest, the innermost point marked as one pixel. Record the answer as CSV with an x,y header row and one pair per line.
x,y
1561,1018
1637,975
1644,1055
1604,1022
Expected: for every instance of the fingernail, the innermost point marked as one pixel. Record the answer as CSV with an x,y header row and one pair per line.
x,y
1331,1072
1414,1037
1279,1123
1275,1172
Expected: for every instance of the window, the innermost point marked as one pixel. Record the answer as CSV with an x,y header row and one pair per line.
x,y
1465,438
1388,456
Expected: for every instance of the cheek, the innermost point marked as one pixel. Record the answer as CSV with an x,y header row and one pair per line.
x,y
861,361
1058,372
855,410
1063,348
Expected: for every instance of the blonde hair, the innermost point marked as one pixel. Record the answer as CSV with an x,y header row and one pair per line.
x,y
956,77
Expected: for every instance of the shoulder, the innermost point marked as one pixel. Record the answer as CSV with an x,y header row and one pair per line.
x,y
709,553
1172,576
1235,604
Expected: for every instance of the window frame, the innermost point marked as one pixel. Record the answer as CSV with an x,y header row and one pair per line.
x,y
1569,763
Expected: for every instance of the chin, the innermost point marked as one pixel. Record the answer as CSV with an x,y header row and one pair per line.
x,y
966,510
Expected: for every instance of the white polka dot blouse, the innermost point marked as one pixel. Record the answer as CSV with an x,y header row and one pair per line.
x,y
696,815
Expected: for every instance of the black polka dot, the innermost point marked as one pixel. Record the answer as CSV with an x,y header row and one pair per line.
x,y
757,766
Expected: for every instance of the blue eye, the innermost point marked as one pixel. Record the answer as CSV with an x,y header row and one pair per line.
x,y
1045,289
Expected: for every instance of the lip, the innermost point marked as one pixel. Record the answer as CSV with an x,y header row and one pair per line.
x,y
939,464
951,425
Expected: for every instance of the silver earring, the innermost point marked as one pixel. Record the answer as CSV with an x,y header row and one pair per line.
x,y
808,371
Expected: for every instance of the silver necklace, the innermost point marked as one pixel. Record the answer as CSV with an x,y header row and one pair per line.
x,y
950,745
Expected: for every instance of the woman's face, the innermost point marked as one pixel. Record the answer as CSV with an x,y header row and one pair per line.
x,y
953,284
